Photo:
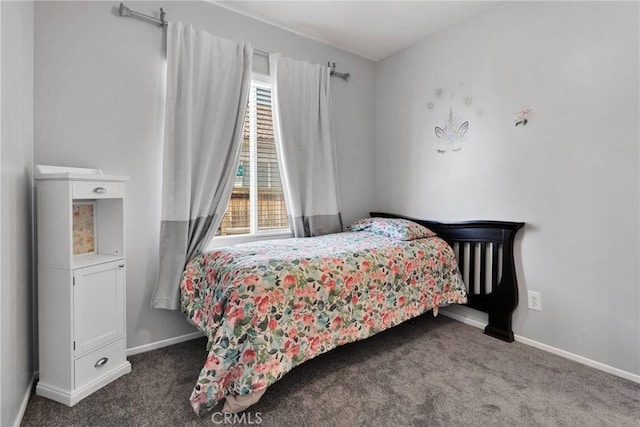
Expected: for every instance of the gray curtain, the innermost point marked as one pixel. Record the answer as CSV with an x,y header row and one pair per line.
x,y
305,143
208,81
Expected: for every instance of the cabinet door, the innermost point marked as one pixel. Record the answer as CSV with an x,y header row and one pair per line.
x,y
98,303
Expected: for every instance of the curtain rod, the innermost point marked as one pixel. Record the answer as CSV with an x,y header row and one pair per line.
x,y
125,11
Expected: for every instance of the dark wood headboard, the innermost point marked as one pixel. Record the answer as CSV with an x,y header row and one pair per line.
x,y
484,250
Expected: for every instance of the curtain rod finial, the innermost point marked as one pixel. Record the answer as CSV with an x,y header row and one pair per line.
x,y
124,10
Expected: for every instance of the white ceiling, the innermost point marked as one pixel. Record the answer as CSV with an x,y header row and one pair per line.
x,y
371,29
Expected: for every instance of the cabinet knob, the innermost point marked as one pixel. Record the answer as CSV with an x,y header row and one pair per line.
x,y
121,265
101,362
100,190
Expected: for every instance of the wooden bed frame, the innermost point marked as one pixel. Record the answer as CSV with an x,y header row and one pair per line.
x,y
484,250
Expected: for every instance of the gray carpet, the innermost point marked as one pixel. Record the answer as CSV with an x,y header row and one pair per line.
x,y
436,372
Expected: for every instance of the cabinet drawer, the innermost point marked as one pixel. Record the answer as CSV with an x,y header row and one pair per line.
x,y
97,190
98,363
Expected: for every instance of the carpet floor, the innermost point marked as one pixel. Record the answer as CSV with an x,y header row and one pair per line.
x,y
436,372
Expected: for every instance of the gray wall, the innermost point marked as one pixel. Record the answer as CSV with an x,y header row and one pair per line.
x,y
99,103
16,159
572,173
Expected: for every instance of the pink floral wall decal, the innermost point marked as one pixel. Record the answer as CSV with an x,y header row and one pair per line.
x,y
523,117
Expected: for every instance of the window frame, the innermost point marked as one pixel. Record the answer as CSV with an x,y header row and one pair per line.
x,y
258,80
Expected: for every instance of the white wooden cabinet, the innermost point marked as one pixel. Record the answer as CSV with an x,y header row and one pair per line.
x,y
81,281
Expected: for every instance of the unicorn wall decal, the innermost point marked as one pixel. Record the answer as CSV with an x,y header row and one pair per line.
x,y
452,135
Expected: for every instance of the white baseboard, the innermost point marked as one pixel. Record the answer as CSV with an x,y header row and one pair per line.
x,y
554,350
462,319
164,343
25,400
580,359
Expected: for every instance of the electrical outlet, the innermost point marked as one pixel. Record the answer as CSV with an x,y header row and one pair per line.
x,y
535,301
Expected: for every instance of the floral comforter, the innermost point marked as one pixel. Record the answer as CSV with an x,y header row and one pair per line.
x,y
267,307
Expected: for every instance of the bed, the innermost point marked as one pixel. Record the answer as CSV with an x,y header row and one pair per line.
x,y
267,307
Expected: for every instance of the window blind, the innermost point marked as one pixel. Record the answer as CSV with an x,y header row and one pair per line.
x,y
257,202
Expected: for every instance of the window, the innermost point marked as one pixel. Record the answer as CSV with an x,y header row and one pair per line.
x,y
257,202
